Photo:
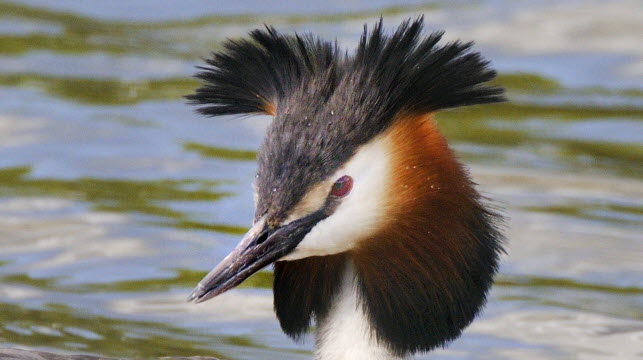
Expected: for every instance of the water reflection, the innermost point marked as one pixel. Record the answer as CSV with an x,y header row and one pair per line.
x,y
101,91
129,196
63,327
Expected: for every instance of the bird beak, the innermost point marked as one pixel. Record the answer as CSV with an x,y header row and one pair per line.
x,y
260,247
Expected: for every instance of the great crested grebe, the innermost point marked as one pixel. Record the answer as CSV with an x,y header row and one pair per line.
x,y
375,229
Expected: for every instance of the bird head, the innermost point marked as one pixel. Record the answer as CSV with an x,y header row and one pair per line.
x,y
353,170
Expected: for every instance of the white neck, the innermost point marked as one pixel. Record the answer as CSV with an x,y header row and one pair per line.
x,y
345,334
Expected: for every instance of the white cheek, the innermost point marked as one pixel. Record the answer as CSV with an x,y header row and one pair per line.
x,y
360,213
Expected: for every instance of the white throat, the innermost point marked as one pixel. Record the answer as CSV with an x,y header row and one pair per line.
x,y
345,334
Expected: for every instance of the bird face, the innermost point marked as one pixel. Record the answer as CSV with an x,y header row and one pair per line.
x,y
331,217
358,196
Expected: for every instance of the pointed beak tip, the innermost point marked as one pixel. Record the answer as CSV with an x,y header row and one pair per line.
x,y
191,298
197,295
196,300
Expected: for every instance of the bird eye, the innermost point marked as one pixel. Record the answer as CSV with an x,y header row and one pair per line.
x,y
342,186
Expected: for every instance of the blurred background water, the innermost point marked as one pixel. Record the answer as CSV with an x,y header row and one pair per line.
x,y
115,198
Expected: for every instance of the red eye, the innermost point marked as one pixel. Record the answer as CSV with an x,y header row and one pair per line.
x,y
342,186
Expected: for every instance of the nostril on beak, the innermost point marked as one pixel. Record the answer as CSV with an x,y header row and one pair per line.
x,y
262,238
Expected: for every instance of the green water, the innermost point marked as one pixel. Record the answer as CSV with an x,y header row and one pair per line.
x,y
116,198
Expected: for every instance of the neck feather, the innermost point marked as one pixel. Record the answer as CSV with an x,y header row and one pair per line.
x,y
345,333
425,275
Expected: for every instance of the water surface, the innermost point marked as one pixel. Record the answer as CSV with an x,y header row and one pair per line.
x,y
115,198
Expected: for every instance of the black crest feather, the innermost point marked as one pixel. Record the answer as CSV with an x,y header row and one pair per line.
x,y
252,76
403,71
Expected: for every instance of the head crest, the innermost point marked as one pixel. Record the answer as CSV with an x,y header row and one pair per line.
x,y
401,72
